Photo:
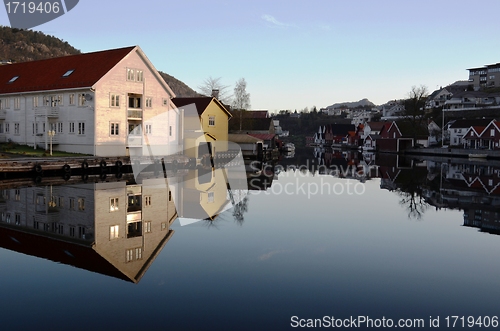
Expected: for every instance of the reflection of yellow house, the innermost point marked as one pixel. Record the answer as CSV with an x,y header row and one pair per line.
x,y
207,126
203,194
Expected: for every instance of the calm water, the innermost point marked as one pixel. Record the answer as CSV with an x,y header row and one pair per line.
x,y
410,240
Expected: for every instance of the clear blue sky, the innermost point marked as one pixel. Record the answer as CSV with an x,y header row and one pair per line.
x,y
296,54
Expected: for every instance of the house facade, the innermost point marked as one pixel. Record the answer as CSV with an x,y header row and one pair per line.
x,y
458,129
208,124
483,137
101,103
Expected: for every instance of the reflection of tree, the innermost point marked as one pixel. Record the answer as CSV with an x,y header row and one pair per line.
x,y
239,210
414,202
410,184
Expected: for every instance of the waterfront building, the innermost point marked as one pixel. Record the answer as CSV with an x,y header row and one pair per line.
x,y
88,103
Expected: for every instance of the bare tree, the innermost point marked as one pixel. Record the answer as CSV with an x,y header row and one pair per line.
x,y
415,112
210,84
241,99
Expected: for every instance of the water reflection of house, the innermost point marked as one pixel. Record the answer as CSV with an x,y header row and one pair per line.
x,y
111,228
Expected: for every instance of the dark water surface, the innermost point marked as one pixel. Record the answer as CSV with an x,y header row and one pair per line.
x,y
414,241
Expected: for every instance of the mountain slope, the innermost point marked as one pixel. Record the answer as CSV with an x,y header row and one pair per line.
x,y
360,103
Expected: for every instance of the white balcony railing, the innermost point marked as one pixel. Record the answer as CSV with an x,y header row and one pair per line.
x,y
134,141
134,114
50,112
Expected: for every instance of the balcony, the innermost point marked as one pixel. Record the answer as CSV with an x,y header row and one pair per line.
x,y
135,114
50,112
134,141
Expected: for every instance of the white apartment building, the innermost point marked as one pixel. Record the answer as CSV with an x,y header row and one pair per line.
x,y
89,103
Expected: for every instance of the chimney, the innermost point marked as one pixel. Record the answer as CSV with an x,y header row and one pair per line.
x,y
215,93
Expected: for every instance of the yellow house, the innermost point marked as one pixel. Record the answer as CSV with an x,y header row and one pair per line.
x,y
205,125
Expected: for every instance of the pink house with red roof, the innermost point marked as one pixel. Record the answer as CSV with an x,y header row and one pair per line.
x,y
103,103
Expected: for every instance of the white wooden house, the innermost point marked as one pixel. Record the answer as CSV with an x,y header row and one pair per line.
x,y
90,102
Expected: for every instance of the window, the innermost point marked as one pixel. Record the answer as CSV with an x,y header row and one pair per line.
x,y
113,204
165,102
3,103
72,99
17,195
81,232
211,197
134,102
71,203
147,129
69,72
81,128
114,232
81,99
170,131
60,127
16,128
13,79
163,226
35,102
138,253
130,255
56,100
17,103
115,100
71,230
211,121
492,132
147,226
139,75
17,219
81,204
169,195
134,254
114,129
71,127
1,127
149,102
147,201
7,128
130,74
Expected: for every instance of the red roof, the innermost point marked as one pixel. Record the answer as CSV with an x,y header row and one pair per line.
x,y
201,103
46,75
263,136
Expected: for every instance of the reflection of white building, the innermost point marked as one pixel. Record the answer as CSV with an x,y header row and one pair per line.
x,y
91,101
110,228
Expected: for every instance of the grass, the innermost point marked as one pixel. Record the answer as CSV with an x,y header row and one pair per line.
x,y
24,150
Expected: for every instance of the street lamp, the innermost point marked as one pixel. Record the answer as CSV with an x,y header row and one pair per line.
x,y
51,134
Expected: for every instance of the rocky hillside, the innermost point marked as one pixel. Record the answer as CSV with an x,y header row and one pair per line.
x,y
360,103
180,89
26,45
